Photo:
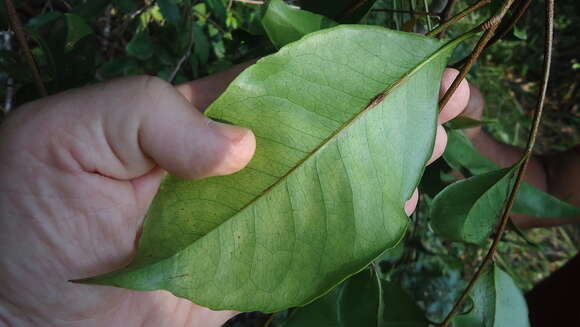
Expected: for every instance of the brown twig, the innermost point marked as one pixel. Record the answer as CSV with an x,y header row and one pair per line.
x,y
422,13
19,31
521,170
489,27
502,31
444,25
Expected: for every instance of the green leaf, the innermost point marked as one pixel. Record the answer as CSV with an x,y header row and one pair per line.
x,y
284,24
202,46
520,33
79,66
127,6
356,302
324,194
170,11
77,29
460,153
343,11
467,210
121,66
531,201
400,310
140,46
90,9
497,302
43,19
51,37
217,9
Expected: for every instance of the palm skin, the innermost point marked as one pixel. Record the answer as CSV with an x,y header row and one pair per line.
x,y
77,173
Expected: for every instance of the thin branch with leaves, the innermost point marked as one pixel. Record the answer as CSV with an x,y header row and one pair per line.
x,y
521,170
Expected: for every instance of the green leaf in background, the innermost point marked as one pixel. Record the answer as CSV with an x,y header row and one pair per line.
x,y
43,19
497,302
356,303
284,24
531,201
51,38
170,11
343,11
127,6
217,9
90,10
77,29
467,210
79,68
140,46
68,46
399,308
324,193
460,153
201,45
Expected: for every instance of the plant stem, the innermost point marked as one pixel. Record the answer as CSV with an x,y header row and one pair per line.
x,y
426,7
524,162
444,25
489,26
19,31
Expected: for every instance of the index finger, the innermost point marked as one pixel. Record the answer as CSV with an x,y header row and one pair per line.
x,y
459,99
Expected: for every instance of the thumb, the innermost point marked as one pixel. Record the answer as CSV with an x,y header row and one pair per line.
x,y
124,128
181,140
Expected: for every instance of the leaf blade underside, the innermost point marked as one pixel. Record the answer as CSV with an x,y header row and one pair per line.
x,y
323,195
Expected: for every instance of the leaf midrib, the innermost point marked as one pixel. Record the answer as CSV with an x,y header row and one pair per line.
x,y
374,102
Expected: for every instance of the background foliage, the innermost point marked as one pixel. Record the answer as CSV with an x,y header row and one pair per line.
x,y
78,42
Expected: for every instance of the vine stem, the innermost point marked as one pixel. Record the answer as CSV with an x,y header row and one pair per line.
x,y
444,25
19,31
489,27
524,163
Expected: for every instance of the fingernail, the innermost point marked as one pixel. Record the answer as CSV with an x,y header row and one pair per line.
x,y
231,132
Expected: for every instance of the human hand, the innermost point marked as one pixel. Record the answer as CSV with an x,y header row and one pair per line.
x,y
79,171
